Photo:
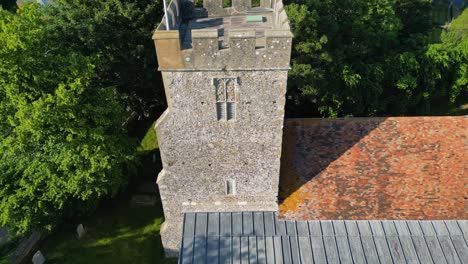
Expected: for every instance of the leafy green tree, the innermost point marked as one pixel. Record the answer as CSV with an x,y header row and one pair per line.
x,y
62,145
118,33
447,62
415,16
8,4
366,58
338,56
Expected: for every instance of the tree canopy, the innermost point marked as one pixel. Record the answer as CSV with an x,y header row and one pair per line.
x,y
367,58
447,61
62,145
118,33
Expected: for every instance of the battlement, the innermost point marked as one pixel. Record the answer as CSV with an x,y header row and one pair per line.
x,y
218,38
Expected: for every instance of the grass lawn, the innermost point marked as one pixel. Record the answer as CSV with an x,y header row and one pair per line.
x,y
116,233
6,250
149,142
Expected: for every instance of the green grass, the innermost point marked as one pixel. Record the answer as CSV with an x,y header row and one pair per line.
x,y
149,141
148,150
117,233
4,259
6,250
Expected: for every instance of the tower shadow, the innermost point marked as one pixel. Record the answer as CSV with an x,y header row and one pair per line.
x,y
311,145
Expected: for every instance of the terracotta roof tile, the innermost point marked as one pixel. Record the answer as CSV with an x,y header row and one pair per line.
x,y
375,168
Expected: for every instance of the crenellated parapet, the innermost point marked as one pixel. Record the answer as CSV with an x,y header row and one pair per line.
x,y
216,7
242,52
224,43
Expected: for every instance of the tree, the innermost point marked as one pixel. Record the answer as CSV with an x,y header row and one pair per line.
x,y
415,16
447,62
62,146
365,58
8,4
118,33
338,57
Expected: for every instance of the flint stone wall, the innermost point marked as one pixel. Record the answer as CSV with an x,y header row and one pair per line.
x,y
200,153
242,52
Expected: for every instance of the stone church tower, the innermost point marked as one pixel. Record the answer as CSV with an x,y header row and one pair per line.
x,y
225,73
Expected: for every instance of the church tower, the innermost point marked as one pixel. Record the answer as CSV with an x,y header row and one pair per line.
x,y
225,72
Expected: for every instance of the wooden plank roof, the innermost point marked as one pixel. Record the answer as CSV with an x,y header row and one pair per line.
x,y
260,237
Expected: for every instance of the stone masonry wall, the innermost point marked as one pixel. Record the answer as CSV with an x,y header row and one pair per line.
x,y
206,54
375,168
200,153
242,53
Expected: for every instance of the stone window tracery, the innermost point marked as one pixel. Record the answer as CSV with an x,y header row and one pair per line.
x,y
226,89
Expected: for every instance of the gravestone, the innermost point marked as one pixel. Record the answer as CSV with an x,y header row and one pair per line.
x,y
144,200
4,236
146,188
80,230
26,247
38,258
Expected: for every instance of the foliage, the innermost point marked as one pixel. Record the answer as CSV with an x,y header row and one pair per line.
x,y
448,60
8,4
364,58
116,233
227,3
118,33
199,3
62,147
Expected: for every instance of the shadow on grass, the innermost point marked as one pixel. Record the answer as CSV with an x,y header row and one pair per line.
x,y
117,233
7,249
150,165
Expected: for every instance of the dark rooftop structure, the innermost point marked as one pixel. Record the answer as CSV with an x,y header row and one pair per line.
x,y
260,237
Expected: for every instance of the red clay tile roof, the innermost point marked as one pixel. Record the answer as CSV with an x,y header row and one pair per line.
x,y
375,168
